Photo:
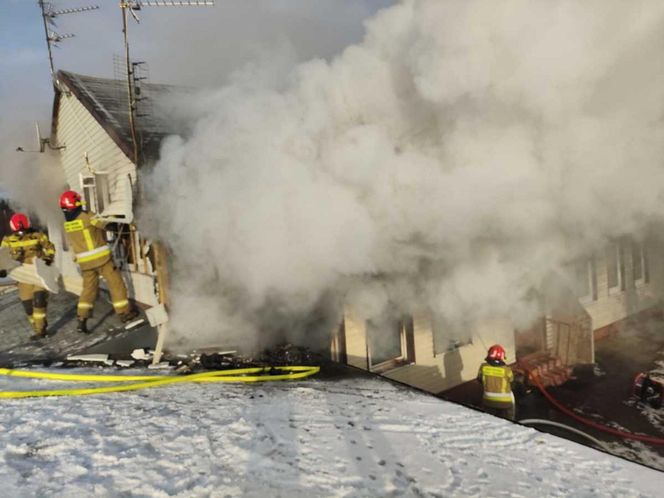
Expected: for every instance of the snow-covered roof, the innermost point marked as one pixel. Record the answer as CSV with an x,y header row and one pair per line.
x,y
347,438
345,434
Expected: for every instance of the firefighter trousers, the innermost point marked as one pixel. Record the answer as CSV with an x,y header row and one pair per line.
x,y
115,284
507,411
34,299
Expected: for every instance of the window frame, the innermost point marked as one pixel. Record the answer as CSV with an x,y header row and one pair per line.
x,y
642,257
407,355
96,190
591,276
613,263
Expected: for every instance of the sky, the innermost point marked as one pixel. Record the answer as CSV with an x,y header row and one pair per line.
x,y
318,27
194,46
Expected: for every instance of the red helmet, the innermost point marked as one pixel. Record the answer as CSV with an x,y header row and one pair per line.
x,y
70,200
496,352
19,222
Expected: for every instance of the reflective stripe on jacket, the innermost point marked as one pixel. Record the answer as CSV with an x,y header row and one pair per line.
x,y
497,383
87,239
25,248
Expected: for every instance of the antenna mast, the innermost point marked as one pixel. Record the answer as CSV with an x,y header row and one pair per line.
x,y
130,7
49,14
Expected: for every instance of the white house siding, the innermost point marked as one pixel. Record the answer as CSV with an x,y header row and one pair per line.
x,y
84,137
431,372
613,305
356,340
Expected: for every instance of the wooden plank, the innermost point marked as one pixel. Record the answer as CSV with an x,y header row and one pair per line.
x,y
161,263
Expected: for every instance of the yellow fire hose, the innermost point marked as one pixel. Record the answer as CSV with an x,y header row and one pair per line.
x,y
148,381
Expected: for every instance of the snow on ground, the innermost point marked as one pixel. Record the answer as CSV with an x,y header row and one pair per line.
x,y
351,437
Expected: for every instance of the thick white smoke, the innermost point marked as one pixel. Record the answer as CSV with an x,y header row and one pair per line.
x,y
32,182
455,158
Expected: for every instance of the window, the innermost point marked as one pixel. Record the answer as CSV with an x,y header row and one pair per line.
x,y
390,343
448,337
96,191
639,263
612,266
621,264
582,279
89,195
586,279
593,277
103,191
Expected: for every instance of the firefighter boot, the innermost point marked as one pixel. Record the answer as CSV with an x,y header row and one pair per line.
x,y
82,326
130,315
40,330
39,313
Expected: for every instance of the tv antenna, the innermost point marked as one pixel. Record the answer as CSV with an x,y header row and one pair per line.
x,y
130,7
49,14
42,142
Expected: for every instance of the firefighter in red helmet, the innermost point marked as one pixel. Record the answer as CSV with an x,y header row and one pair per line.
x,y
25,245
496,378
87,239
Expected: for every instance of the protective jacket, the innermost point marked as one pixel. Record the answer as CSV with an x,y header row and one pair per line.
x,y
87,239
25,247
496,378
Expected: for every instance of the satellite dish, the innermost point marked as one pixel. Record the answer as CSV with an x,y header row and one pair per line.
x,y
41,143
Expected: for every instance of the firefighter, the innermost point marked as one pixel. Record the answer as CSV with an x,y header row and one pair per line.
x,y
25,244
87,239
496,379
651,392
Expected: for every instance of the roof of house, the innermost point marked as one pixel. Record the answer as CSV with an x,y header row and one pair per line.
x,y
106,99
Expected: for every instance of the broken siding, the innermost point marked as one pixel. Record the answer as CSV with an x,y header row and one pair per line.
x,y
64,261
83,138
141,287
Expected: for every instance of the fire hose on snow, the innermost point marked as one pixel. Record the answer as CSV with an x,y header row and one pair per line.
x,y
136,382
539,421
590,423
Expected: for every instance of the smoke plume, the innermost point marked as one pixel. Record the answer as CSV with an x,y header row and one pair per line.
x,y
454,159
31,181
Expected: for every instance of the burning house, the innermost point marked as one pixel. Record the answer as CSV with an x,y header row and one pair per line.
x,y
90,126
